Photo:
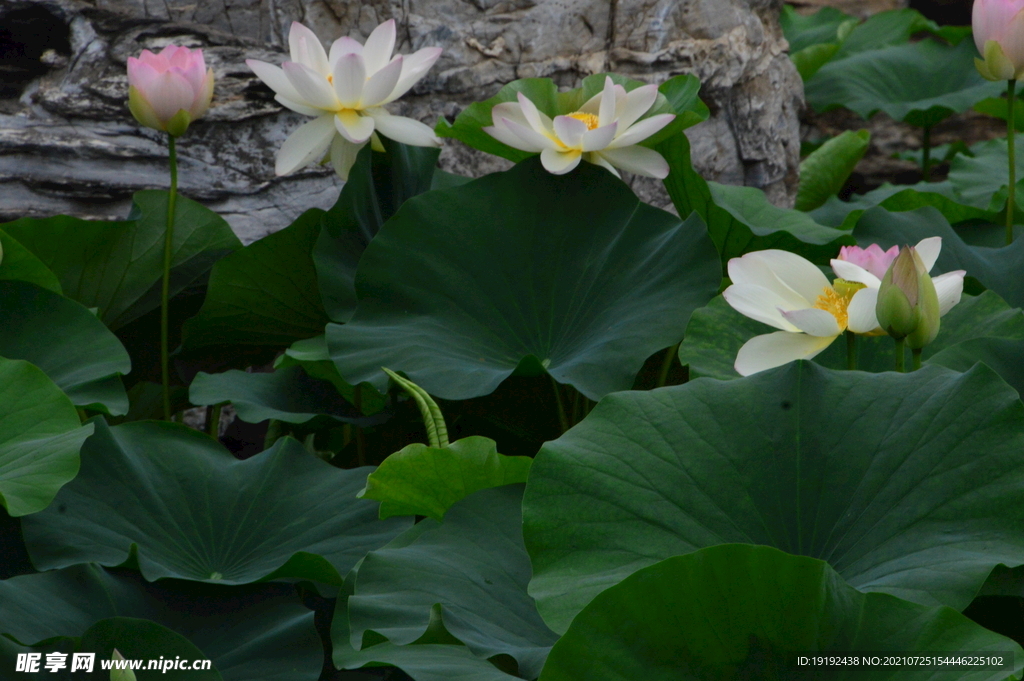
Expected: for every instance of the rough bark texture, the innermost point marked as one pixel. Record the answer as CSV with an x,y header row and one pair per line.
x,y
69,145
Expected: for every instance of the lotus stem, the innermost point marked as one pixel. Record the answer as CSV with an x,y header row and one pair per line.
x,y
666,365
915,359
213,419
1011,129
926,154
901,359
165,372
851,350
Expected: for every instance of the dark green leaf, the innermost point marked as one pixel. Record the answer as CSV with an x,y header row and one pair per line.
x,y
824,172
17,263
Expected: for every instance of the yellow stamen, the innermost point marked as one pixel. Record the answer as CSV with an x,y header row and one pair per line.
x,y
590,119
836,299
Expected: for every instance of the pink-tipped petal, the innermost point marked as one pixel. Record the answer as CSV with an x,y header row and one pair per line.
x,y
638,160
307,144
538,120
305,48
353,127
570,131
533,140
599,138
379,46
341,47
642,130
141,73
414,67
275,79
559,162
349,80
379,86
636,103
313,88
203,97
168,94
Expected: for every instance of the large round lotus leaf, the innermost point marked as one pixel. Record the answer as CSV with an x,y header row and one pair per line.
x,y
17,263
982,179
907,484
750,612
116,266
67,342
40,437
921,83
182,506
474,565
462,285
426,662
717,332
255,631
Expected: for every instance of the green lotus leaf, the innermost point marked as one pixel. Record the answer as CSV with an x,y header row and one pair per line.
x,y
750,612
179,505
741,219
265,293
824,172
474,565
378,184
256,631
67,342
981,180
583,277
905,483
422,480
116,266
288,395
677,95
427,662
899,199
40,438
821,27
921,83
17,263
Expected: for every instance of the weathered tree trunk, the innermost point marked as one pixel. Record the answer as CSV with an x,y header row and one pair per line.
x,y
68,143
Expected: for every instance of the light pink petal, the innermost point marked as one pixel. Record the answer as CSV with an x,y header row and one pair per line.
x,y
531,137
775,349
312,88
201,101
505,136
343,156
569,131
861,311
195,74
845,269
353,127
873,258
1012,40
379,86
509,110
786,273
637,160
642,130
168,94
379,46
307,144
414,67
949,287
538,120
559,162
275,79
141,74
599,138
157,61
306,49
343,46
349,80
177,57
636,103
761,304
929,250
814,322
404,130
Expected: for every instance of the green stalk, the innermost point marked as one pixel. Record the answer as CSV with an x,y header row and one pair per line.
x,y
915,357
667,365
165,372
563,420
926,159
901,359
851,350
213,420
1011,129
357,402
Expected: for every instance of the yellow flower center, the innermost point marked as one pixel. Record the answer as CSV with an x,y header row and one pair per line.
x,y
589,119
836,299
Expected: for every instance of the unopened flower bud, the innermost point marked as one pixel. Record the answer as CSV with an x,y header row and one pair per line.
x,y
168,91
908,305
117,674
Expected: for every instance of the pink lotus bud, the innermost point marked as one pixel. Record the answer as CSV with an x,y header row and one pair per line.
x,y
999,35
873,258
168,91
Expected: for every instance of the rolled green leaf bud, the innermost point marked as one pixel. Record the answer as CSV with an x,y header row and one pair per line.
x,y
120,674
908,305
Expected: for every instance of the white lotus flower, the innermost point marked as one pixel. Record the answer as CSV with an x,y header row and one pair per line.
x,y
346,92
605,131
790,293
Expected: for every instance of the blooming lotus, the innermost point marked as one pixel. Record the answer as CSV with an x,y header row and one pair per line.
x,y
168,91
999,36
605,131
790,293
346,92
